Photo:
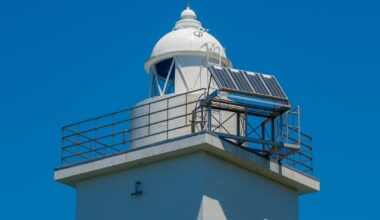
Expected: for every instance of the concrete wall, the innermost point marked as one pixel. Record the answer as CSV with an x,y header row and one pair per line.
x,y
195,186
171,190
162,118
242,194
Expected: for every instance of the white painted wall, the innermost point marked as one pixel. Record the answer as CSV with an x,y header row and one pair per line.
x,y
166,117
161,118
246,195
191,73
195,186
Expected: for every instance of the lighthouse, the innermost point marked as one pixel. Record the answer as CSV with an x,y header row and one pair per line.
x,y
211,141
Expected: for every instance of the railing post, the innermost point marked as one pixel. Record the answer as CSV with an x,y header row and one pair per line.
x,y
209,117
124,136
238,124
263,137
287,126
238,127
167,118
62,145
272,129
299,125
280,135
78,140
92,148
96,135
149,119
113,129
186,110
246,125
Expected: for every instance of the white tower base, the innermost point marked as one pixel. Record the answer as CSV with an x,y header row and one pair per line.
x,y
194,177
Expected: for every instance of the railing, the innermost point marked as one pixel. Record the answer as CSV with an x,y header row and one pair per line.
x,y
121,130
301,160
261,130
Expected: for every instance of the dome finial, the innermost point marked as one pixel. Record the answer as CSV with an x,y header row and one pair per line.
x,y
188,19
188,4
188,13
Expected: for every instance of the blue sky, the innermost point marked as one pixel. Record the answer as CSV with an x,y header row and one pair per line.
x,y
64,61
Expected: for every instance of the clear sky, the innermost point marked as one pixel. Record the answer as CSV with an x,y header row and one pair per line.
x,y
64,61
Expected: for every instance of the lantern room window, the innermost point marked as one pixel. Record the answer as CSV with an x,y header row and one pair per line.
x,y
162,78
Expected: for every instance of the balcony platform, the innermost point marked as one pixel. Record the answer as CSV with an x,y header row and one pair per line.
x,y
182,146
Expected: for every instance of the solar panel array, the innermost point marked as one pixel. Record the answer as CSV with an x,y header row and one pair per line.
x,y
247,82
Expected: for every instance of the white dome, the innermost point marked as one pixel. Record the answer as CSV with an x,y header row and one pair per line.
x,y
187,38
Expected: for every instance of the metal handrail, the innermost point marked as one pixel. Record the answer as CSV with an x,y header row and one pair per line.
x,y
77,143
131,108
81,142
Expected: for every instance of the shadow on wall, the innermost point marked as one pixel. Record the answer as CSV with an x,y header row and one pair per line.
x,y
210,209
233,192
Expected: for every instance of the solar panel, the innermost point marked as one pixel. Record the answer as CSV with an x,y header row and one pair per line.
x,y
223,79
247,82
273,85
240,80
257,84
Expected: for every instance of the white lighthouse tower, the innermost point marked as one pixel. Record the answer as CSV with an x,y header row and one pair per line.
x,y
211,142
